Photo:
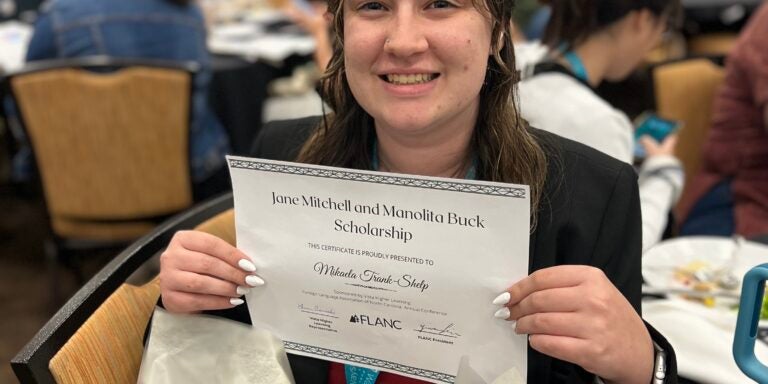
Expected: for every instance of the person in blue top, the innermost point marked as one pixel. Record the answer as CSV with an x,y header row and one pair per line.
x,y
151,29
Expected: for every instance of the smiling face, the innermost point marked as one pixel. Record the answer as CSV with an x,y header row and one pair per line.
x,y
416,66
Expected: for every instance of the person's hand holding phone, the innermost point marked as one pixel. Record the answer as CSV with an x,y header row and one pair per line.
x,y
654,148
652,131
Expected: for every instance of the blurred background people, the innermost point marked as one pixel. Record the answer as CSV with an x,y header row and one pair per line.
x,y
150,29
531,18
730,194
311,16
587,42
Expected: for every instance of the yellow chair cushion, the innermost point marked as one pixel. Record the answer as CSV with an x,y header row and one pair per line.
x,y
108,346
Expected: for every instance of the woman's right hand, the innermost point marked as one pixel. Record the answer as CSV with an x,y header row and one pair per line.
x,y
199,271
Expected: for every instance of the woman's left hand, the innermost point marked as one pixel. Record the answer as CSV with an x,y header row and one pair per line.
x,y
574,313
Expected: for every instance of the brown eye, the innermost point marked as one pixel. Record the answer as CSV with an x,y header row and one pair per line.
x,y
440,4
372,6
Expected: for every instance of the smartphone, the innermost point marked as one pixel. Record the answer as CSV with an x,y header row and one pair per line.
x,y
650,124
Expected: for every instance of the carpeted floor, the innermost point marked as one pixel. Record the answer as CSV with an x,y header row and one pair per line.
x,y
25,291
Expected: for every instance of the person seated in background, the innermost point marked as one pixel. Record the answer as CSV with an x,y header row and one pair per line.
x,y
588,42
312,18
428,88
730,194
151,29
531,19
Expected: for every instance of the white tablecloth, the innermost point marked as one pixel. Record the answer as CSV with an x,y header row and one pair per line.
x,y
702,336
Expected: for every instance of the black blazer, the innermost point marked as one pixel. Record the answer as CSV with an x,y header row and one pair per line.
x,y
589,215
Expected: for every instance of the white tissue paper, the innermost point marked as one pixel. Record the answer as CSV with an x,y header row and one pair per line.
x,y
206,349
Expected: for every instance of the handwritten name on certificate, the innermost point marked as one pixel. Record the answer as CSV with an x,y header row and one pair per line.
x,y
386,271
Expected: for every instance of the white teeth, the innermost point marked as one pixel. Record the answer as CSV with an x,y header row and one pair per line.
x,y
410,79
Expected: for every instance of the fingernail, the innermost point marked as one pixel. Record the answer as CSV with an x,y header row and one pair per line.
x,y
242,290
502,299
246,265
236,302
502,313
513,323
254,281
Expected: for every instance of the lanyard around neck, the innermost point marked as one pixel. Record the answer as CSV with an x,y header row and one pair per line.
x,y
577,66
361,375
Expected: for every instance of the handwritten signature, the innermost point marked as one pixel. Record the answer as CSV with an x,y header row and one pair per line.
x,y
446,331
316,308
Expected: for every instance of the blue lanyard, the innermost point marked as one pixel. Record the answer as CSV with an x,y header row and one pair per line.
x,y
471,172
577,66
360,375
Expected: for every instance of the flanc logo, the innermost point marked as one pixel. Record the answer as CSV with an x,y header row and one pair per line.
x,y
375,321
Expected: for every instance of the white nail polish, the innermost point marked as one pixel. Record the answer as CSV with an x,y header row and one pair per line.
x,y
246,265
502,313
254,281
502,299
242,290
236,302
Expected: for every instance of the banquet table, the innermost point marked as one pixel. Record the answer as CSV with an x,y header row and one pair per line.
x,y
702,335
246,56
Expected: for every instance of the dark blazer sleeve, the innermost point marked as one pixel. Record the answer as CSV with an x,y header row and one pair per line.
x,y
589,215
282,140
619,243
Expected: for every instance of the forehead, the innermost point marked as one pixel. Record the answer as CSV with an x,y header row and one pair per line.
x,y
481,5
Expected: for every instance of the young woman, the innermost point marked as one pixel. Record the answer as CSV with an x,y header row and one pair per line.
x,y
428,84
588,42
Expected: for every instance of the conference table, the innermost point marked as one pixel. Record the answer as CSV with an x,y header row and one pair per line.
x,y
246,55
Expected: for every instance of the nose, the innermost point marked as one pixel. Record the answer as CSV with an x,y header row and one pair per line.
x,y
406,37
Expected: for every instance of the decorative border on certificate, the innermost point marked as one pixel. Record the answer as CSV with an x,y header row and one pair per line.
x,y
379,179
444,377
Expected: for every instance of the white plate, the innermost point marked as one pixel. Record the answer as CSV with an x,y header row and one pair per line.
x,y
661,261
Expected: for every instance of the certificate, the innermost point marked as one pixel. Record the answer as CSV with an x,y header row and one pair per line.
x,y
386,271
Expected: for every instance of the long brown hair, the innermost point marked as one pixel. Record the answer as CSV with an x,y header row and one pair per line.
x,y
505,149
573,21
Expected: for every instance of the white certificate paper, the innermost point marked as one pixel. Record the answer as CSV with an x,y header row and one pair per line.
x,y
386,271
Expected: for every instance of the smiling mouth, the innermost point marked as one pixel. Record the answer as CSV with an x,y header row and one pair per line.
x,y
412,79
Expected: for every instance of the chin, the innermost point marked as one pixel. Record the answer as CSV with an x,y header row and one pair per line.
x,y
403,124
405,116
